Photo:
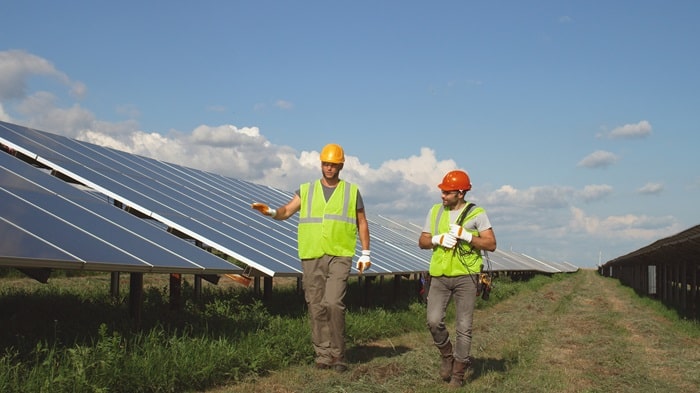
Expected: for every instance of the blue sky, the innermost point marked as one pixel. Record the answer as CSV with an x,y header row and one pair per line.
x,y
576,120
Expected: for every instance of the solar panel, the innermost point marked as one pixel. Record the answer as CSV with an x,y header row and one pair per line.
x,y
210,208
215,209
21,248
232,231
511,261
48,223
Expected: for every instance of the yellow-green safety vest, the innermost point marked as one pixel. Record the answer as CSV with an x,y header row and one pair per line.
x,y
328,228
452,262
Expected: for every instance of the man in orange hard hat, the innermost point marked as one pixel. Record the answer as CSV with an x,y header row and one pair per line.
x,y
456,231
331,216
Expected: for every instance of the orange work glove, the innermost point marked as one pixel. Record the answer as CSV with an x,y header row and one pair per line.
x,y
264,209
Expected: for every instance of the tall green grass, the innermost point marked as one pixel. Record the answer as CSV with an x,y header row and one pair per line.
x,y
74,337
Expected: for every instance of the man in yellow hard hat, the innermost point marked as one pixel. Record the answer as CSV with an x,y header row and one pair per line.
x,y
456,231
331,216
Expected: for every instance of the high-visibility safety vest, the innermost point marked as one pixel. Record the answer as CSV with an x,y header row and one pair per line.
x,y
463,258
328,228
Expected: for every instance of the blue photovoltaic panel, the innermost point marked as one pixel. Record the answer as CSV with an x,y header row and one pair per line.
x,y
173,201
53,224
210,208
21,248
215,209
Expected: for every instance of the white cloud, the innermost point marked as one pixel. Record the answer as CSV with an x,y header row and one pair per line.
x,y
595,191
403,188
533,197
651,188
598,159
42,113
625,227
226,135
16,66
630,131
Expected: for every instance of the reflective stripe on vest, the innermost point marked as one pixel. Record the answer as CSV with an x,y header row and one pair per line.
x,y
449,262
327,227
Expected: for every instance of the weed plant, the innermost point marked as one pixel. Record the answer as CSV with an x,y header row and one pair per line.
x,y
75,337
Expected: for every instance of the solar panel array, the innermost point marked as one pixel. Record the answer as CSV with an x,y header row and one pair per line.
x,y
213,210
501,260
207,207
47,223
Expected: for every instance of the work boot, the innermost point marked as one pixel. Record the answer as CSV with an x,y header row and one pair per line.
x,y
447,360
339,365
458,370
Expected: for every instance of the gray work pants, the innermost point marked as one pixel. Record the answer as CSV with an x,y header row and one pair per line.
x,y
325,282
463,290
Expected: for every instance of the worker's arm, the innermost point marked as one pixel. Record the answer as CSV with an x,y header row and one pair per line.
x,y
282,212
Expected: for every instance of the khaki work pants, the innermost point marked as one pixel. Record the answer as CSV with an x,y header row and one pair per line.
x,y
325,282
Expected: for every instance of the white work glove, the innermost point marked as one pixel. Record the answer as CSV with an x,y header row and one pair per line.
x,y
264,209
446,240
460,232
363,263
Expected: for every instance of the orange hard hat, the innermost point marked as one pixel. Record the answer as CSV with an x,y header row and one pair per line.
x,y
332,153
455,180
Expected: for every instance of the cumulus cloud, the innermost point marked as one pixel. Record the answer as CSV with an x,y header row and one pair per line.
x,y
16,66
630,131
651,188
403,188
226,135
398,186
595,192
533,197
41,111
598,159
627,226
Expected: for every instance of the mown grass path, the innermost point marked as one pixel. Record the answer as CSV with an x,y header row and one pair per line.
x,y
585,333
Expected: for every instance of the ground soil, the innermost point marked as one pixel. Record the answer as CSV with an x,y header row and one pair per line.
x,y
583,334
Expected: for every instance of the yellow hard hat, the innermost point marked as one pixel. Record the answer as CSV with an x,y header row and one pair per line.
x,y
332,153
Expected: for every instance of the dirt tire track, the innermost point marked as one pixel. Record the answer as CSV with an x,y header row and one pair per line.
x,y
583,333
588,334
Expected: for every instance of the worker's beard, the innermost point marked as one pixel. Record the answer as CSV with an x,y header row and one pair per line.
x,y
451,204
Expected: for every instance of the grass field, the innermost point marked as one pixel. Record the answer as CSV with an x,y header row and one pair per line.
x,y
568,333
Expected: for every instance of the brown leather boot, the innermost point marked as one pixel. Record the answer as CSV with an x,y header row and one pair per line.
x,y
458,370
447,360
